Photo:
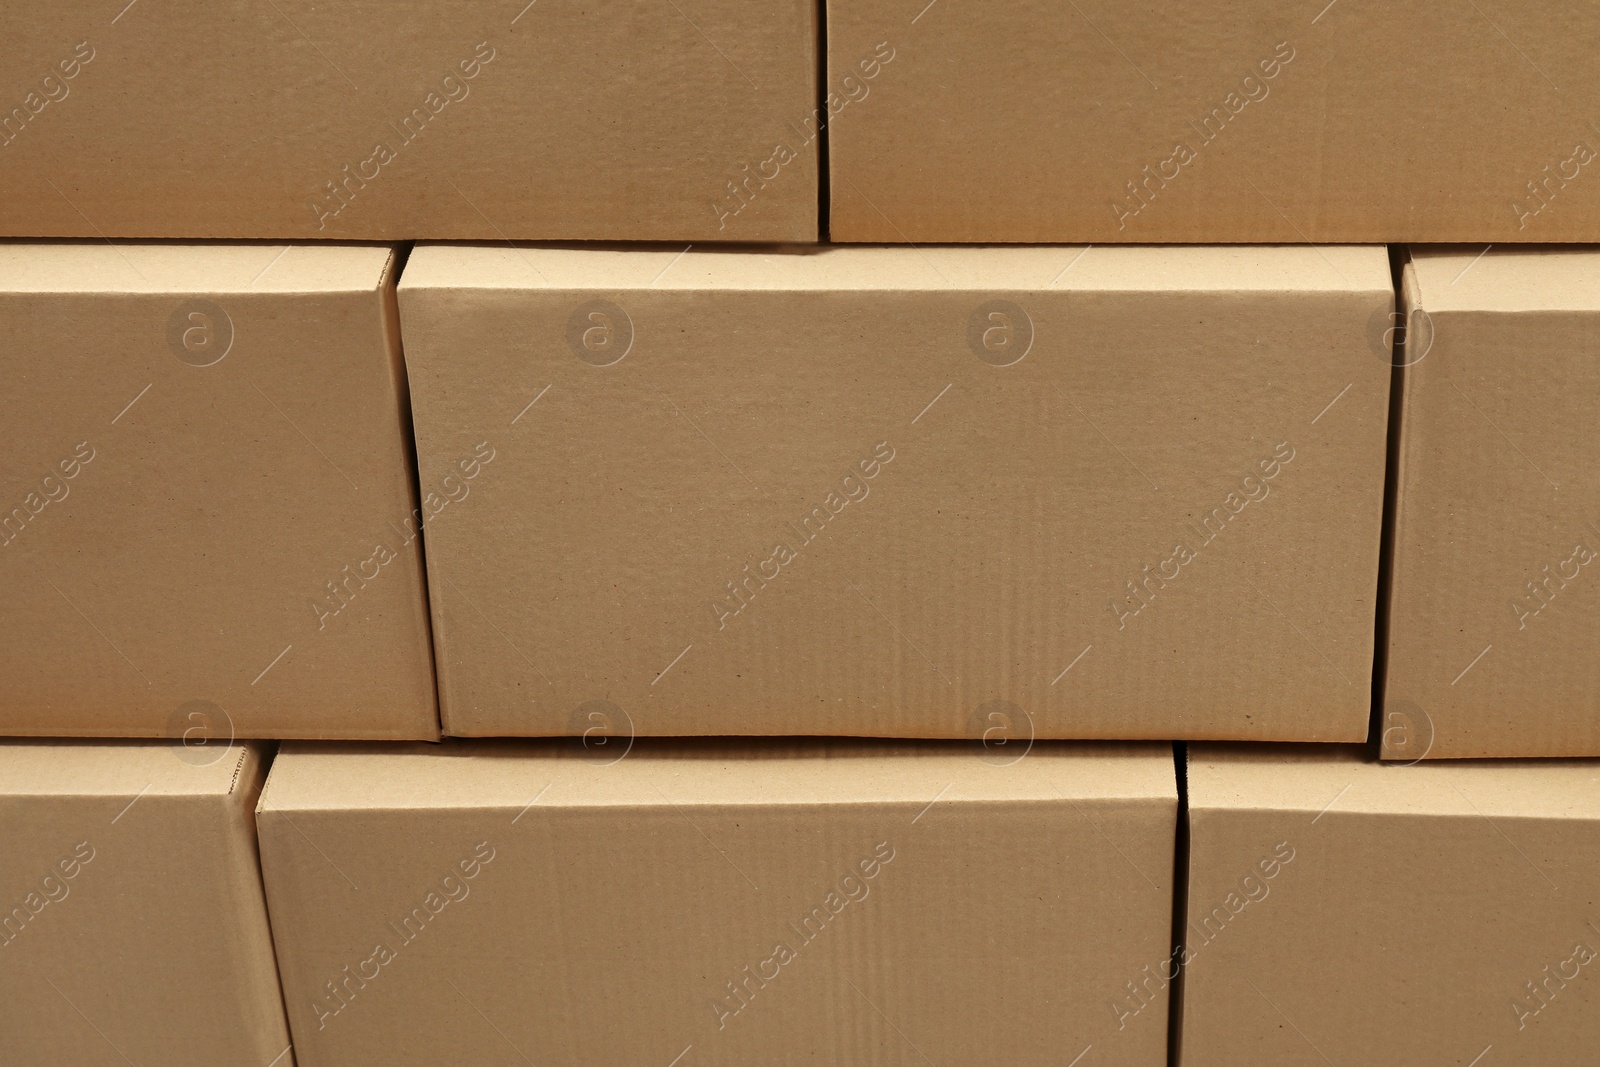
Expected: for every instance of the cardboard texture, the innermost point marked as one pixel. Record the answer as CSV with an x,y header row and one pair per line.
x,y
133,928
693,120
209,526
723,903
1328,893
1031,121
1133,493
1495,611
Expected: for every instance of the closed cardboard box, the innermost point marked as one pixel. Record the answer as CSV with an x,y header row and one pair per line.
x,y
132,923
1341,910
718,903
209,527
1032,121
693,120
1495,607
908,492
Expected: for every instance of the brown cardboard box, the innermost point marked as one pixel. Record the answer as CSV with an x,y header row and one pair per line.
x,y
1495,606
1033,121
208,527
132,923
903,492
693,120
1346,911
713,903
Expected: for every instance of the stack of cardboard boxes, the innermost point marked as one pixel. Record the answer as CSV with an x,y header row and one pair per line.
x,y
950,594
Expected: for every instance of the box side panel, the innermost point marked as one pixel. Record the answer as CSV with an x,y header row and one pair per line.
x,y
1152,515
208,513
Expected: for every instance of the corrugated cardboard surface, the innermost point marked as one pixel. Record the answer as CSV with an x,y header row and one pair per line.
x,y
542,902
1495,611
903,491
1099,121
132,923
199,439
1345,911
368,120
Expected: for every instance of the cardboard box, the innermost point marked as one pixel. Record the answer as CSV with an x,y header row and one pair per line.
x,y
694,120
1255,121
132,923
1494,613
209,526
727,903
1346,911
904,492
